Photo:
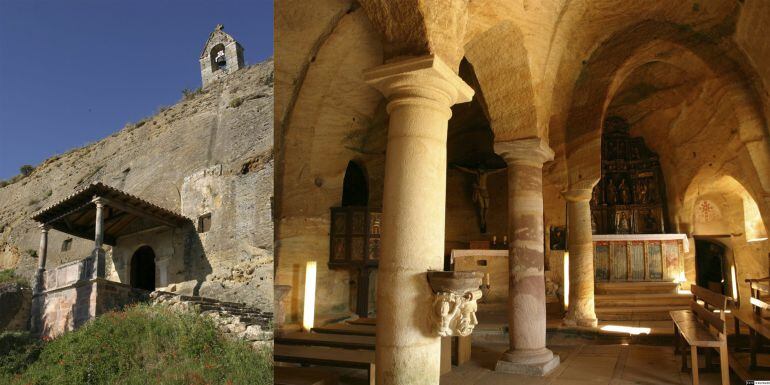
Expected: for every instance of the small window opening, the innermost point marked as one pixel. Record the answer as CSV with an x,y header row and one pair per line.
x,y
204,223
66,245
218,59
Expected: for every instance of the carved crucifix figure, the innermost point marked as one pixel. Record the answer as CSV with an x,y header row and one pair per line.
x,y
480,192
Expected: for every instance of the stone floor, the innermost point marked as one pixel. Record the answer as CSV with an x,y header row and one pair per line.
x,y
585,364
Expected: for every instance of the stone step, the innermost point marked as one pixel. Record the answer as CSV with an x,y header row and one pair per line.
x,y
633,299
636,287
637,313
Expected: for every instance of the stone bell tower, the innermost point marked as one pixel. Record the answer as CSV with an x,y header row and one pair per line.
x,y
222,55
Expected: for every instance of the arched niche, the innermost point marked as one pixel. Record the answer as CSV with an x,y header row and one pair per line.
x,y
142,274
355,187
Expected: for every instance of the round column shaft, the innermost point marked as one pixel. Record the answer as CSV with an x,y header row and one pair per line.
x,y
527,353
581,310
420,92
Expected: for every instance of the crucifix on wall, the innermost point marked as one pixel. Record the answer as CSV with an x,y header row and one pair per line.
x,y
480,191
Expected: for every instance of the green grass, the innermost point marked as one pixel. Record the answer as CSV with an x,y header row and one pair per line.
x,y
9,276
142,345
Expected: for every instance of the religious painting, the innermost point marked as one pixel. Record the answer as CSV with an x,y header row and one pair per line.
x,y
338,249
654,261
619,268
636,251
558,238
647,221
602,261
623,221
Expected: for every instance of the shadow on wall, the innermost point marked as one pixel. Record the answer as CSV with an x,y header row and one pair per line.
x,y
196,264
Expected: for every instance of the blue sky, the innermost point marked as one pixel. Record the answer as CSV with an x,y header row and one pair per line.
x,y
75,71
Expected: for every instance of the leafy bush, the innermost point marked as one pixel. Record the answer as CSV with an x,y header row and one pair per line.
x,y
236,102
9,276
147,345
17,351
26,170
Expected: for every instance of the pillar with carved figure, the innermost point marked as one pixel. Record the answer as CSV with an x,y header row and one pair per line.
x,y
581,311
527,353
420,92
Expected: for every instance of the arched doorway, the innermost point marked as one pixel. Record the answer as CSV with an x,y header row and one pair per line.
x,y
710,266
355,188
143,269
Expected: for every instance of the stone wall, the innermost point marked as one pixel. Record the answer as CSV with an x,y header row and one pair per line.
x,y
69,307
226,127
15,302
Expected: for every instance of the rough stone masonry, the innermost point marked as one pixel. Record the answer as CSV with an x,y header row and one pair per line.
x,y
208,155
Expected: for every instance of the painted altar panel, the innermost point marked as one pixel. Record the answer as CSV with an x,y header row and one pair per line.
x,y
619,266
672,264
636,253
602,261
639,257
654,262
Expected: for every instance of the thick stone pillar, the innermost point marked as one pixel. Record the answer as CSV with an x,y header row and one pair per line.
x,y
581,310
99,261
420,93
527,353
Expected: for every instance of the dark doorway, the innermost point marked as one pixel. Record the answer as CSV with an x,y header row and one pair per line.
x,y
143,269
355,188
710,268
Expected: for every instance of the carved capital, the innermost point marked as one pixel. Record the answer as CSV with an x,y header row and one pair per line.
x,y
424,81
454,314
534,151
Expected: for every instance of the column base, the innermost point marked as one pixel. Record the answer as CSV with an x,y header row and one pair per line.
x,y
586,322
538,362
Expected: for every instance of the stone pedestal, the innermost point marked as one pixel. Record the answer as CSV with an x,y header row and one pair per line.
x,y
420,93
527,353
581,310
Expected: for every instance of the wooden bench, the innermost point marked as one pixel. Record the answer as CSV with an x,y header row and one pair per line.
x,y
701,327
283,375
320,355
347,341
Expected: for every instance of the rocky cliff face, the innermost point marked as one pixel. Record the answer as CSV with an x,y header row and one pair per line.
x,y
211,153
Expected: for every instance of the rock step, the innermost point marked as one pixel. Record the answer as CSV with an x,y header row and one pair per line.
x,y
637,313
636,287
627,300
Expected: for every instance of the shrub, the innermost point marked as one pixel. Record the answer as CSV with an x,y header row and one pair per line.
x,y
236,102
147,345
17,351
188,94
9,276
26,169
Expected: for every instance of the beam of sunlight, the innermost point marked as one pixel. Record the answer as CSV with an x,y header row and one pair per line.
x,y
566,280
308,314
626,329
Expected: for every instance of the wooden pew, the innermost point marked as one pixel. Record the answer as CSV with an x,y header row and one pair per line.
x,y
321,355
701,327
283,375
347,341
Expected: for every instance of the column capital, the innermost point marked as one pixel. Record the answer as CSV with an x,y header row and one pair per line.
x,y
533,151
581,190
43,228
98,201
424,80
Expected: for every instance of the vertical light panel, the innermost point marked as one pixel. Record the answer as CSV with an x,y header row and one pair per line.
x,y
308,315
566,280
734,281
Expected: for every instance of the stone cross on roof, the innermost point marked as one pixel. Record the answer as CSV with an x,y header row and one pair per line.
x,y
220,27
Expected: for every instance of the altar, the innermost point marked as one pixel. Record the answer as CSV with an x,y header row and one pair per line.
x,y
639,257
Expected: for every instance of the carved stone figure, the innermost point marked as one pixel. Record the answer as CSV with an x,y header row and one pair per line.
x,y
480,192
642,191
454,314
623,225
612,192
624,193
